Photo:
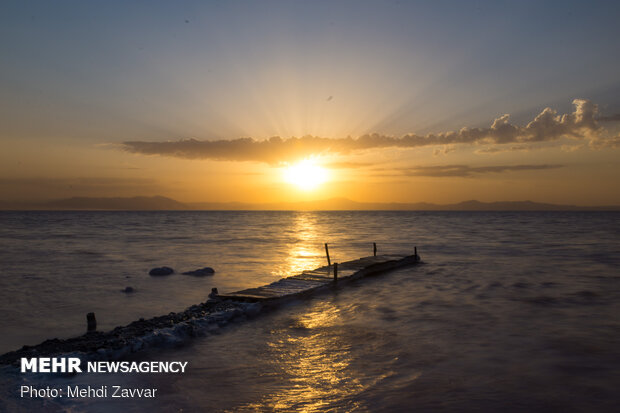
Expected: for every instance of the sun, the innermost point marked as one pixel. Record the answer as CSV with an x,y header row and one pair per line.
x,y
305,175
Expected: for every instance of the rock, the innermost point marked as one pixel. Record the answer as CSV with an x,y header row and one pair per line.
x,y
128,290
201,272
161,271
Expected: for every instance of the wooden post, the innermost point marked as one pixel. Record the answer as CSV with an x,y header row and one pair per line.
x,y
374,249
327,253
335,272
91,322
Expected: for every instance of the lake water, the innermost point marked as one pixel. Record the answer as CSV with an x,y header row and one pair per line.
x,y
513,311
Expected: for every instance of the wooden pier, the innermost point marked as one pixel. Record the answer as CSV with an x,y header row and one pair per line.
x,y
312,280
129,338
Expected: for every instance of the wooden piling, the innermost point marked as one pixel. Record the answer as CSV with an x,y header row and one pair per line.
x,y
91,322
327,253
374,249
335,272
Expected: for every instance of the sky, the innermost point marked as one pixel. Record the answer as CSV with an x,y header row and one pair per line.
x,y
220,101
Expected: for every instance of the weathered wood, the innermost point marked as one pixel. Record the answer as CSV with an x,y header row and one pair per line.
x,y
124,337
91,322
374,249
309,281
327,253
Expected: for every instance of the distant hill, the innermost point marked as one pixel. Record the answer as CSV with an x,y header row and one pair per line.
x,y
344,204
137,203
142,203
160,203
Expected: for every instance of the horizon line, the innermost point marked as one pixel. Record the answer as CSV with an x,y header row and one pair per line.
x,y
162,203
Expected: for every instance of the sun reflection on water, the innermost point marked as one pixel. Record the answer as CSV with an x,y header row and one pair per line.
x,y
312,353
315,359
304,252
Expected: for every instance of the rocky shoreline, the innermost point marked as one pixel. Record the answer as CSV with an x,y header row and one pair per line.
x,y
195,320
203,318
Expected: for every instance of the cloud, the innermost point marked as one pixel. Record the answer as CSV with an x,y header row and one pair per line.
x,y
499,149
273,150
440,171
571,148
546,126
443,150
605,143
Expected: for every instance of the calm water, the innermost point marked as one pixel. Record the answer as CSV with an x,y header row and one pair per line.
x,y
511,311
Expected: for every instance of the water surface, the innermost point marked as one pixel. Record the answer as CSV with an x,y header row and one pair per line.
x,y
511,311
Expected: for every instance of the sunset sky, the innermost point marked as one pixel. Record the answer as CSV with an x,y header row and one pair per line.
x,y
404,101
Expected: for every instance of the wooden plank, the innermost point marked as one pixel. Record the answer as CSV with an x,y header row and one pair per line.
x,y
311,280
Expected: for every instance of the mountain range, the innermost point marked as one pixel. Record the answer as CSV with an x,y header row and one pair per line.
x,y
160,203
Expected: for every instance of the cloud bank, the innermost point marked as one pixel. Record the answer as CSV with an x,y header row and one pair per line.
x,y
547,126
464,171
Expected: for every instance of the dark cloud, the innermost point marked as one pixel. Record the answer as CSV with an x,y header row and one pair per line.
x,y
547,126
466,171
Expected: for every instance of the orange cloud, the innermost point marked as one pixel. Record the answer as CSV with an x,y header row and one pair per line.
x,y
547,126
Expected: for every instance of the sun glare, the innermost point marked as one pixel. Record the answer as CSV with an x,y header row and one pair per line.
x,y
305,175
